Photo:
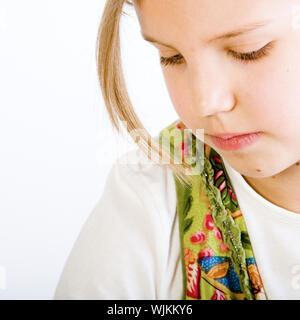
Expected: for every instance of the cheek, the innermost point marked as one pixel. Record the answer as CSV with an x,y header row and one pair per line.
x,y
178,92
274,100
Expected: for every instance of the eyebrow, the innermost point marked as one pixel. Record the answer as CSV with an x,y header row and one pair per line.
x,y
228,35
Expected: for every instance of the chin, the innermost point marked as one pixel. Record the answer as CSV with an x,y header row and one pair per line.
x,y
260,171
255,169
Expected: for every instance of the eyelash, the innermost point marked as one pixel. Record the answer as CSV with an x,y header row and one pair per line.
x,y
252,56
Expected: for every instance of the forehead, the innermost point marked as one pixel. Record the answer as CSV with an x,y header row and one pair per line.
x,y
184,20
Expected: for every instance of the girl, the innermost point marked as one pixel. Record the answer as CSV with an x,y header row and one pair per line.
x,y
224,224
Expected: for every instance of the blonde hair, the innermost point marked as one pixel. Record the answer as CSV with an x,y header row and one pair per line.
x,y
112,83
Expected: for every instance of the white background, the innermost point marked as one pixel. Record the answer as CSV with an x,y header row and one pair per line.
x,y
56,142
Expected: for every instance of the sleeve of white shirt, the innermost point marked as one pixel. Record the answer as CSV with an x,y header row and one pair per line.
x,y
128,247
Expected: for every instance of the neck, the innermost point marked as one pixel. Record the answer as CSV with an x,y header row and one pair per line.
x,y
281,189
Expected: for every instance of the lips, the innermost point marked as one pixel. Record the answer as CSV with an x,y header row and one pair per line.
x,y
234,141
228,135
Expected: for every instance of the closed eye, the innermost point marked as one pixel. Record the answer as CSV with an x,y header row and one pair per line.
x,y
178,59
253,55
244,57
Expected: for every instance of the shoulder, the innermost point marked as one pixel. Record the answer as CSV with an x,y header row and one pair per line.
x,y
125,239
154,184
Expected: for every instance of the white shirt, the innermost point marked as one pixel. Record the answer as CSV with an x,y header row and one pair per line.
x,y
275,237
129,247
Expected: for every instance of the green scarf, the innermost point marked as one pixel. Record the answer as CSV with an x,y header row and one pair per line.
x,y
216,253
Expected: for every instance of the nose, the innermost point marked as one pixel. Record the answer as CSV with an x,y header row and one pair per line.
x,y
210,89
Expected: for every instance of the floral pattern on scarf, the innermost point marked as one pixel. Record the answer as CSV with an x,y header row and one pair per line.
x,y
210,269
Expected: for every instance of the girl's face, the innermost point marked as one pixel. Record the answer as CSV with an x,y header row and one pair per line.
x,y
216,85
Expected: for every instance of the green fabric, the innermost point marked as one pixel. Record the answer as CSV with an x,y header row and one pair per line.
x,y
216,253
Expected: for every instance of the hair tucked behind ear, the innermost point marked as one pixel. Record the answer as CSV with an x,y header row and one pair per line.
x,y
113,85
